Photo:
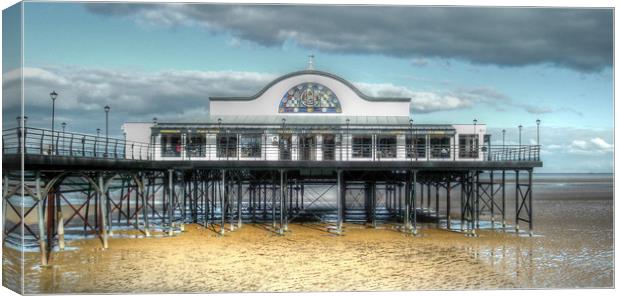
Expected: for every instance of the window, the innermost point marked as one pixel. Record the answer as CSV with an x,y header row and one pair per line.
x,y
440,146
285,144
307,147
418,148
171,145
196,145
386,146
468,146
250,145
361,147
329,147
227,145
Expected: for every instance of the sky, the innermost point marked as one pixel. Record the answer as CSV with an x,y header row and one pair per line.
x,y
502,66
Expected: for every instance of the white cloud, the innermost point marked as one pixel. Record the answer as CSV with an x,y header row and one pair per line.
x,y
601,144
132,95
579,144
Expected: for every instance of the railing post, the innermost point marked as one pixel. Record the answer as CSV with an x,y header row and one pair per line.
x,y
56,144
132,157
41,146
19,140
71,146
116,148
84,146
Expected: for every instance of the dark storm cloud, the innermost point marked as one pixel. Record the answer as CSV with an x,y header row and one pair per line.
x,y
579,39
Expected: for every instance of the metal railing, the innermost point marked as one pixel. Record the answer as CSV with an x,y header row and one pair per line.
x,y
38,141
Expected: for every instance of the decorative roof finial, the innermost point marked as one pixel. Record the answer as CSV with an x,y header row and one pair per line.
x,y
311,62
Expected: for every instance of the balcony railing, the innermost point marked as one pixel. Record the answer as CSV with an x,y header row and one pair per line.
x,y
38,141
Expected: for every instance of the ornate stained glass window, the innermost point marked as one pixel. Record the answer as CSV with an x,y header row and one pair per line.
x,y
310,98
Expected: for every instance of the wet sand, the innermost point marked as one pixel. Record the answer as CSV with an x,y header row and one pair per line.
x,y
254,259
572,248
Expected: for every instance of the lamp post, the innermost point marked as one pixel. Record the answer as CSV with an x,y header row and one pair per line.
x,y
537,132
188,149
475,143
107,111
219,134
347,139
19,121
53,96
64,125
280,141
98,132
520,128
413,148
19,133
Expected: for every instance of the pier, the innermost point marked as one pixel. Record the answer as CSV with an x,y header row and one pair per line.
x,y
78,185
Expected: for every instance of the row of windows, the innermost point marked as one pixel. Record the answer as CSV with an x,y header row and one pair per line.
x,y
250,146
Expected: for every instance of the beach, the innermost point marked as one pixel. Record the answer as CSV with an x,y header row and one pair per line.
x,y
572,247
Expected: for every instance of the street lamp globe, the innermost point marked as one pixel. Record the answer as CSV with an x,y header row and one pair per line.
x,y
53,95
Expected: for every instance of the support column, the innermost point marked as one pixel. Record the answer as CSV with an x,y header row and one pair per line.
x,y
222,202
492,190
477,217
183,193
428,198
108,216
530,207
273,202
414,213
60,228
437,202
504,199
144,207
462,204
41,217
282,205
239,200
517,197
408,189
373,198
448,220
170,201
339,199
104,232
400,198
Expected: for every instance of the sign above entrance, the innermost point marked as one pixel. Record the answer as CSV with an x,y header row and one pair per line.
x,y
310,98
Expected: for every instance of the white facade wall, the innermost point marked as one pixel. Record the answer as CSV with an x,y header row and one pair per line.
x,y
268,103
138,137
